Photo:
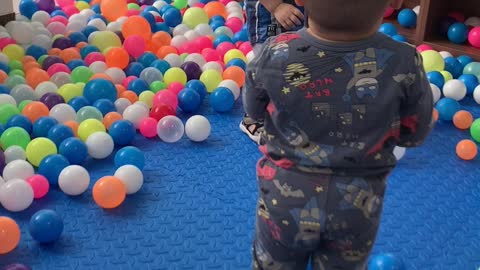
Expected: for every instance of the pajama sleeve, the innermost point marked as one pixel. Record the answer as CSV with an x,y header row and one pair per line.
x,y
416,110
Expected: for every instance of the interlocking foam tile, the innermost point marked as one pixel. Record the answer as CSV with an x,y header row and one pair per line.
x,y
196,209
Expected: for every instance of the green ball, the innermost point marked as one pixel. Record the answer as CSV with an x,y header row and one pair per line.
x,y
14,136
195,16
38,149
81,74
15,64
472,68
15,80
158,86
41,59
23,104
88,112
6,112
180,4
433,61
475,130
133,6
17,72
183,56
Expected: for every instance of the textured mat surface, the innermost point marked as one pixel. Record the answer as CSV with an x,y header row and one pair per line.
x,y
196,209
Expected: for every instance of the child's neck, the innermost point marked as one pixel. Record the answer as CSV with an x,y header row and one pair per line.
x,y
338,36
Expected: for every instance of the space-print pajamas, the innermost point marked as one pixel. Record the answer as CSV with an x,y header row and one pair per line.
x,y
333,114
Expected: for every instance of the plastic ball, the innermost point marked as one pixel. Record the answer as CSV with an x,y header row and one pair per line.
x,y
88,112
122,132
121,104
74,150
464,60
198,128
222,100
458,33
18,169
235,74
385,261
388,29
14,152
476,94
45,226
135,114
88,127
74,180
175,75
105,106
51,166
195,16
463,120
20,121
16,195
211,79
447,108
14,136
166,97
467,150
446,75
7,99
407,18
445,54
10,236
433,61
148,127
470,81
39,184
472,68
100,145
6,112
109,192
100,89
172,17
189,100
453,66
474,37
475,130
454,89
131,176
130,155
59,133
42,126
170,129
437,94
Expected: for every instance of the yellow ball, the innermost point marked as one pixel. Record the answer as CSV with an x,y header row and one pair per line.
x,y
57,37
446,75
38,149
105,39
147,98
195,16
88,127
175,74
234,54
211,78
69,91
433,61
14,52
81,5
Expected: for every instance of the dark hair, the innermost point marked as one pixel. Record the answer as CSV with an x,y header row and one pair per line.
x,y
347,16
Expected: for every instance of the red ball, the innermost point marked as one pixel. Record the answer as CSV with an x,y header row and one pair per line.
x,y
424,47
474,37
459,17
161,110
210,55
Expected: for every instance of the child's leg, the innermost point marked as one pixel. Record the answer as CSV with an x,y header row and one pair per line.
x,y
354,208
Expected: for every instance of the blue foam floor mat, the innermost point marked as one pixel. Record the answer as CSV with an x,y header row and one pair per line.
x,y
196,209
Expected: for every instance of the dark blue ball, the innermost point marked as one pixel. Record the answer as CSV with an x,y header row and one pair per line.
x,y
165,8
129,155
36,51
240,36
28,8
172,17
46,226
458,33
51,167
58,13
98,89
407,18
88,30
436,78
464,60
222,99
220,39
161,65
74,150
147,59
42,126
470,81
4,89
134,69
388,29
4,67
237,62
189,100
96,8
75,63
104,106
385,261
162,27
216,24
453,66
447,108
78,102
122,132
77,37
138,86
98,16
217,18
20,120
198,86
59,133
85,51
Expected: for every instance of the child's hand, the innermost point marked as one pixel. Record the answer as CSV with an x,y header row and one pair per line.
x,y
288,16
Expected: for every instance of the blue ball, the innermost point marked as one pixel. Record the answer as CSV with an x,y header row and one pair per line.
x,y
162,27
150,19
147,59
98,16
96,8
138,86
385,261
240,36
453,66
104,106
4,89
74,150
75,63
172,17
189,100
470,81
388,29
2,129
87,50
51,167
20,120
122,132
36,51
220,39
161,65
165,8
464,60
59,133
217,18
222,99
399,38
458,33
28,8
78,102
42,126
46,226
447,108
129,155
436,78
216,24
88,30
198,86
134,69
407,18
4,67
98,89
58,13
237,62
77,37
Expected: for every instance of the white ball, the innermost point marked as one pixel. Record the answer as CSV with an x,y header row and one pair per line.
x,y
135,113
16,195
114,27
198,128
204,29
250,56
212,65
14,152
20,169
141,103
437,94
61,78
233,4
476,94
180,29
22,32
87,13
116,74
3,58
1,181
98,23
131,176
7,99
417,10
78,18
473,21
62,113
170,129
121,104
43,41
233,86
42,17
74,180
159,4
191,35
100,145
445,54
236,14
46,87
399,152
178,41
196,58
191,3
455,89
98,67
174,60
75,26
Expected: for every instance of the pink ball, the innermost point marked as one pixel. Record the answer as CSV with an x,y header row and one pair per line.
x,y
224,47
135,45
148,127
70,10
4,42
424,47
94,57
388,12
245,48
59,19
234,23
57,28
64,3
166,97
210,55
199,5
175,87
203,43
58,67
225,2
474,37
133,12
188,47
128,80
457,16
39,185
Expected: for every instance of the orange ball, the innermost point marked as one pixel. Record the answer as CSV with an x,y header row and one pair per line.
x,y
166,50
435,115
80,45
235,74
137,25
113,9
73,125
70,54
9,235
3,76
101,76
35,110
54,52
160,39
31,65
467,149
111,118
215,8
117,57
27,59
130,95
120,89
35,76
109,192
463,120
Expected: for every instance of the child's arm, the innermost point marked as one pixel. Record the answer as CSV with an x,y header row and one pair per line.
x,y
287,15
255,97
417,108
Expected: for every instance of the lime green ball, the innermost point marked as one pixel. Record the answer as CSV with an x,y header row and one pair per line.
x,y
234,54
14,52
81,74
147,98
81,5
211,78
175,74
180,4
88,127
446,75
433,61
41,59
105,39
15,64
14,136
183,56
6,112
194,16
38,149
57,36
475,130
133,6
158,86
17,72
23,104
69,91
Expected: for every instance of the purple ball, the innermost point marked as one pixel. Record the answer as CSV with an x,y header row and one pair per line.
x,y
145,2
16,266
50,61
2,161
445,24
62,43
192,70
51,99
46,5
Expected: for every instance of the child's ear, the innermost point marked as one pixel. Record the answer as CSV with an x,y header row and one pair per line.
x,y
397,4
